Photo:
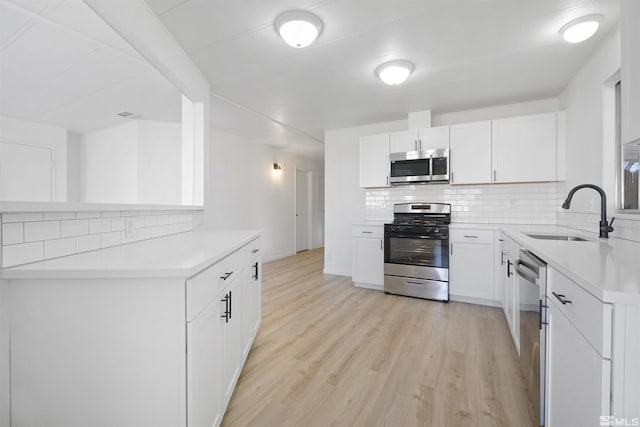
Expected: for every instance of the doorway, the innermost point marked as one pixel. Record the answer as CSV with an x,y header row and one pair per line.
x,y
303,210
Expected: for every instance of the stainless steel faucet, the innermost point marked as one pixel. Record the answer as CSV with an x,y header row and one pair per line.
x,y
605,228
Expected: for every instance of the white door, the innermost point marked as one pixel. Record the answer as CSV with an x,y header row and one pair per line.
x,y
471,270
368,261
302,210
25,173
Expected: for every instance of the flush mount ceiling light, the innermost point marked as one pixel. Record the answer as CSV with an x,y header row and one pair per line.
x,y
580,29
394,72
298,28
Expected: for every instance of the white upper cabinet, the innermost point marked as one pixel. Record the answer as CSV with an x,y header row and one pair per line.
x,y
419,139
471,153
403,141
630,75
374,161
524,148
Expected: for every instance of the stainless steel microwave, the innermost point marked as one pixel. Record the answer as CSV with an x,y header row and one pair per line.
x,y
419,167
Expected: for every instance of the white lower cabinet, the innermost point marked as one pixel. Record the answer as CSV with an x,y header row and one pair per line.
x,y
232,338
471,266
509,252
204,367
133,351
368,256
578,378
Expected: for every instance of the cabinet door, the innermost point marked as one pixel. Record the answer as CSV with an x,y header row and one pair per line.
x,y
524,148
433,138
231,337
578,379
511,297
368,261
403,141
204,367
630,73
251,304
471,153
374,161
471,270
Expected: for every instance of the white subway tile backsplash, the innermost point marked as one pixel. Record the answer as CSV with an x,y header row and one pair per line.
x,y
110,239
29,237
110,214
12,233
150,221
41,230
22,253
83,215
76,227
48,216
118,224
99,225
59,247
21,217
88,243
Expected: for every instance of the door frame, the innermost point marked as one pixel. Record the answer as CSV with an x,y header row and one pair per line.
x,y
309,208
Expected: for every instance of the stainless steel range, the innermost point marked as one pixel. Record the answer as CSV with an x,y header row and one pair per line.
x,y
416,251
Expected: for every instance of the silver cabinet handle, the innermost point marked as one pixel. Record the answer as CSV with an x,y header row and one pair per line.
x,y
255,251
452,177
387,179
367,232
494,176
471,237
451,248
562,298
226,275
381,248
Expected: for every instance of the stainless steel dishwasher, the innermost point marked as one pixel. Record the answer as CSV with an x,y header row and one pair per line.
x,y
532,285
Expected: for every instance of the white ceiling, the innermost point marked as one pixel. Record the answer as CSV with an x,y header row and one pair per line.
x,y
467,53
60,64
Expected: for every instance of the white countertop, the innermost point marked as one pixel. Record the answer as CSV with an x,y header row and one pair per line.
x,y
609,269
179,255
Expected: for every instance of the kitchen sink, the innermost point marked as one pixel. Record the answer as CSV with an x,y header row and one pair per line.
x,y
558,237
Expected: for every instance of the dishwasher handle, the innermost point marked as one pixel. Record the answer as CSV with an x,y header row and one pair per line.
x,y
524,270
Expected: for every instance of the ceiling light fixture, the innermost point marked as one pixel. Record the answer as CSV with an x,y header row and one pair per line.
x,y
298,28
581,29
394,72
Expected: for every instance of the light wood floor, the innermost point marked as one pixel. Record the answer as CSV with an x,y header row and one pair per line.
x,y
330,354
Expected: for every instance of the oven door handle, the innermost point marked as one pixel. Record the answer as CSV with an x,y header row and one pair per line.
x,y
415,236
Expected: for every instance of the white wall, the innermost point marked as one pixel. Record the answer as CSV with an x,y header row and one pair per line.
x,y
54,137
136,162
4,353
344,199
160,164
244,192
582,100
109,164
74,183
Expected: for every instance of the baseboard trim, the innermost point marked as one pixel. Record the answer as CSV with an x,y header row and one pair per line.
x,y
336,272
477,301
369,286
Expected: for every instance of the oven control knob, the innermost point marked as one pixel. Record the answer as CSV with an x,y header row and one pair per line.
x,y
436,230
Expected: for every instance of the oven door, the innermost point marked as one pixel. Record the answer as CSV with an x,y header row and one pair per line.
x,y
408,254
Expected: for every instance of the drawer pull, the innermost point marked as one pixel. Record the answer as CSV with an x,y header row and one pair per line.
x,y
255,251
226,275
227,309
367,232
256,270
471,237
562,298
